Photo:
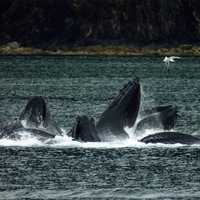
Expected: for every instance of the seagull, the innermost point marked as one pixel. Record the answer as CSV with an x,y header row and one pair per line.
x,y
167,60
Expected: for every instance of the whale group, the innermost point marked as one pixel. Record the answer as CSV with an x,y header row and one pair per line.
x,y
123,111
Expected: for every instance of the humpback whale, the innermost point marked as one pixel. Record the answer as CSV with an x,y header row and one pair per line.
x,y
35,119
171,138
164,117
84,130
160,117
122,112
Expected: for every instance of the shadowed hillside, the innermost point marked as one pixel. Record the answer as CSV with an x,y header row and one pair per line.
x,y
64,23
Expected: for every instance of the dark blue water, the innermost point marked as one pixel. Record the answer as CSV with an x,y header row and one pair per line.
x,y
30,169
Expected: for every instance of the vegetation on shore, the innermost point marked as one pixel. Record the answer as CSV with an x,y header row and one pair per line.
x,y
181,50
108,27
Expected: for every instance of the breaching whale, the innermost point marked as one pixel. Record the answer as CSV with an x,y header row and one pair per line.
x,y
34,119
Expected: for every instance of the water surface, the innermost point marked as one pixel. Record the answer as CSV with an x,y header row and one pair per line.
x,y
75,85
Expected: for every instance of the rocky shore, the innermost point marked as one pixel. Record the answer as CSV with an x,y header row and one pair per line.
x,y
182,50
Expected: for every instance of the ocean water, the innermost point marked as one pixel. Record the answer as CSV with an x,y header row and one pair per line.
x,y
64,169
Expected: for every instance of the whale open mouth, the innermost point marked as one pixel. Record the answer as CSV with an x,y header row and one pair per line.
x,y
35,113
84,130
36,116
122,112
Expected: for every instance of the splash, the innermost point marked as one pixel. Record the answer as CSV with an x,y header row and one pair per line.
x,y
144,133
65,141
25,140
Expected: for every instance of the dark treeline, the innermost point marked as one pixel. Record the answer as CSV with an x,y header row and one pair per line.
x,y
62,23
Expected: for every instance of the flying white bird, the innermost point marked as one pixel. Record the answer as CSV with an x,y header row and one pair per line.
x,y
167,60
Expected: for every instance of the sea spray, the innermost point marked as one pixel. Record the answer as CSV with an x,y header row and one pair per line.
x,y
64,141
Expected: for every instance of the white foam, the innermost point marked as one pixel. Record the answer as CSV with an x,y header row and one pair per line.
x,y
28,140
25,140
24,123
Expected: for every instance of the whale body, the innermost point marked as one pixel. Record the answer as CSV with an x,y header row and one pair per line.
x,y
160,117
171,138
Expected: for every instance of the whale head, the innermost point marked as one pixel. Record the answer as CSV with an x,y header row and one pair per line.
x,y
84,130
35,113
36,116
122,112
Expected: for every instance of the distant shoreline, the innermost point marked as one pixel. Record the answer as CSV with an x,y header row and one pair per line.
x,y
181,50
